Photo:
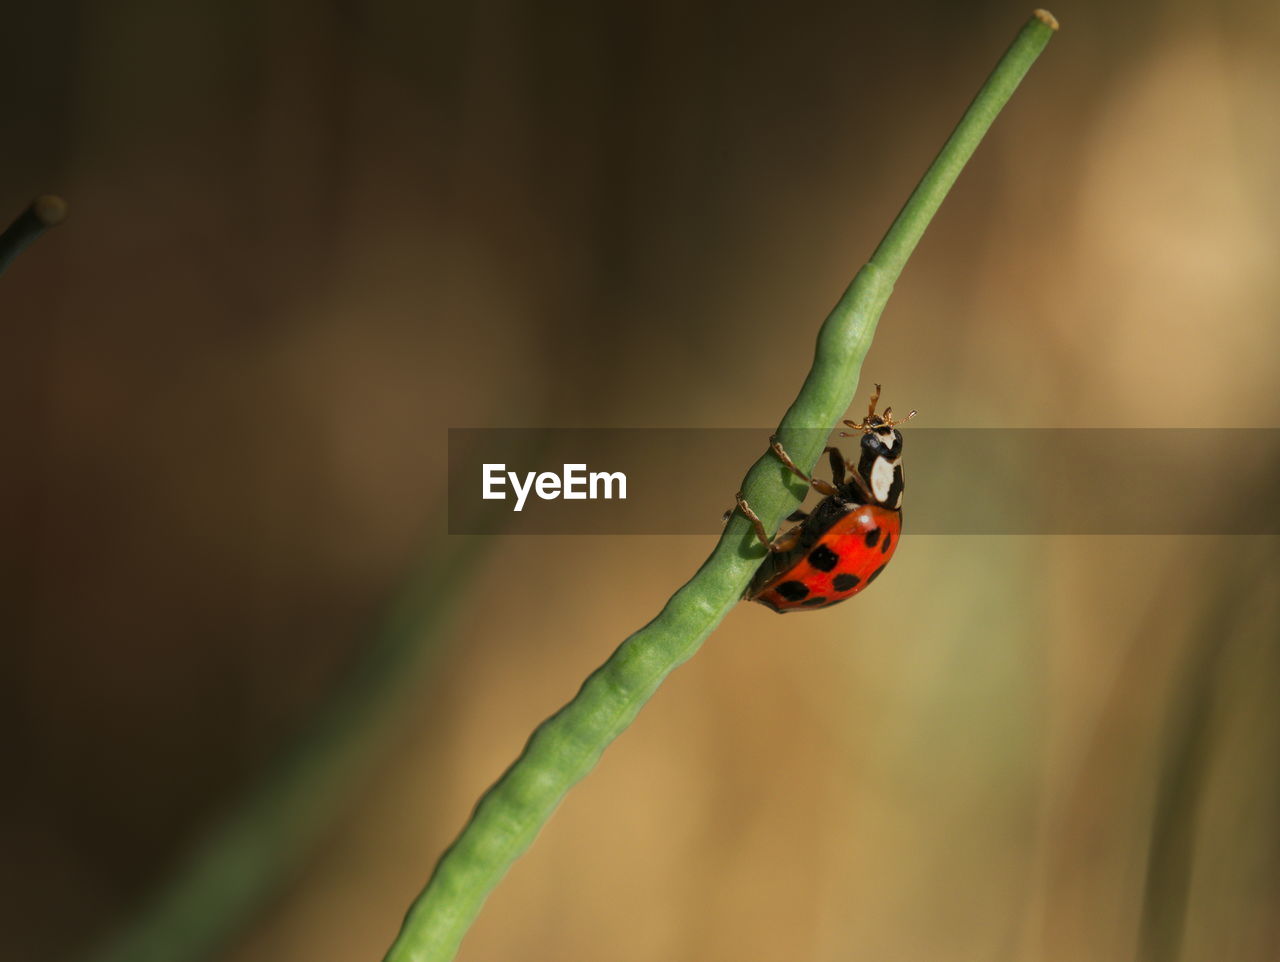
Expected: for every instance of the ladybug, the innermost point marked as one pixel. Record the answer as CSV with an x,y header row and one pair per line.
x,y
845,542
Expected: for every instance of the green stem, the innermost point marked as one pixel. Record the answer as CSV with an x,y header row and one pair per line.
x,y
925,200
565,747
44,212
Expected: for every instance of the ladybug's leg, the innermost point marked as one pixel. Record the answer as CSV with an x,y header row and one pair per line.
x,y
753,518
861,483
837,464
822,487
793,517
784,542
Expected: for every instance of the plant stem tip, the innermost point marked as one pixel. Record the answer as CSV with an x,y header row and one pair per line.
x,y
1048,19
50,209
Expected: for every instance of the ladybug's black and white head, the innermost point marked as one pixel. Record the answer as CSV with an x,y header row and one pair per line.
x,y
880,460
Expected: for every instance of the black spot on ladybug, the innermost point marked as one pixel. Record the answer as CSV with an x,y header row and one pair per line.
x,y
792,590
823,558
814,602
872,537
876,574
844,582
888,540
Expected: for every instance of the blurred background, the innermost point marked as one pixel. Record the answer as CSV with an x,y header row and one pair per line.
x,y
307,238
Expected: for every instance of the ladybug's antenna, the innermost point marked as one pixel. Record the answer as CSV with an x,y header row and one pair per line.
x,y
873,420
891,422
887,417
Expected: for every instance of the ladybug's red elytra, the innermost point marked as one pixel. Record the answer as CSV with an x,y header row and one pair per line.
x,y
845,542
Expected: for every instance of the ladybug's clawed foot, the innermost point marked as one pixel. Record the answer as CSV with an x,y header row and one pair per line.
x,y
784,542
776,447
822,487
753,518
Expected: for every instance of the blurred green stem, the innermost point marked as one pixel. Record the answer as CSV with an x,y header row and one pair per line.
x,y
566,746
245,857
47,210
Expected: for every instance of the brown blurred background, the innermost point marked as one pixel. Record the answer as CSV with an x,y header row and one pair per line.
x,y
305,239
